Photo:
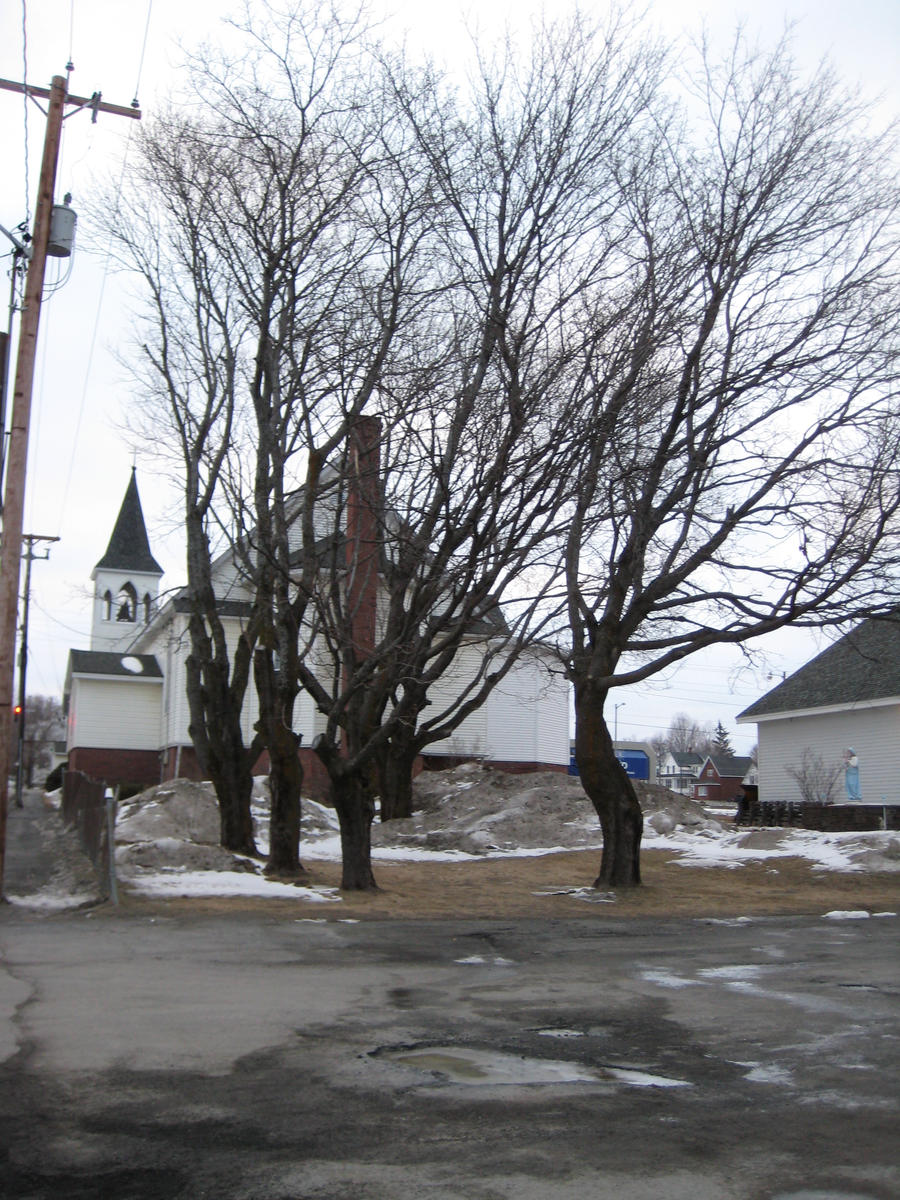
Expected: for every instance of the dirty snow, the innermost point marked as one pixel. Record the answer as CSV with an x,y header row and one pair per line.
x,y
167,837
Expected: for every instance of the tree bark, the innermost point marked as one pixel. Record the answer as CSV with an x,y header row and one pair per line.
x,y
395,775
276,706
356,811
352,799
285,783
610,791
215,731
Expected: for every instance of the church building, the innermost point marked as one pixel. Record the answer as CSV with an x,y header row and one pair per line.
x,y
126,698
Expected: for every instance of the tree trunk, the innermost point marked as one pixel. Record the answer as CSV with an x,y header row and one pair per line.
x,y
356,811
352,798
276,706
395,775
610,791
215,731
285,783
233,783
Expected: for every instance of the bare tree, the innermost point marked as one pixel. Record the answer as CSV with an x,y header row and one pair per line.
x,y
742,470
249,231
815,777
45,725
687,736
476,472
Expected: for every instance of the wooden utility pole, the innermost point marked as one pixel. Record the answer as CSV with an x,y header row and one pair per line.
x,y
29,539
14,500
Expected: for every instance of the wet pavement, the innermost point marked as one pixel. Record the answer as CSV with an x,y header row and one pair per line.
x,y
254,1057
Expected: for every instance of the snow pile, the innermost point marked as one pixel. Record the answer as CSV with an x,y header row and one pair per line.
x,y
167,836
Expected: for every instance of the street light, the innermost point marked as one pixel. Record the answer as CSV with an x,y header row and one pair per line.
x,y
616,708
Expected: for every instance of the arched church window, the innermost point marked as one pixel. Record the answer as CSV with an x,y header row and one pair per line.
x,y
148,608
126,604
107,605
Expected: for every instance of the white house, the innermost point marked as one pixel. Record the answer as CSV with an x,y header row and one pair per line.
x,y
846,699
126,695
678,771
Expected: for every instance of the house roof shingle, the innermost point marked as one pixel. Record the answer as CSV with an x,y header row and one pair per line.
x,y
863,666
109,662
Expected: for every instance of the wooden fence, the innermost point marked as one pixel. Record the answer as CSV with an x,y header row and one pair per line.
x,y
88,809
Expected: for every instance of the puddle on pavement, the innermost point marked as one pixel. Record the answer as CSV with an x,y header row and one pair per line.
x,y
469,1065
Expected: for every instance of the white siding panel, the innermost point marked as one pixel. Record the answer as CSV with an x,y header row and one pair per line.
x,y
525,718
471,736
528,715
874,733
114,714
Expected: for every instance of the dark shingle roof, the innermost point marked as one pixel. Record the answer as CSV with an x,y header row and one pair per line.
x,y
863,665
731,766
129,546
108,662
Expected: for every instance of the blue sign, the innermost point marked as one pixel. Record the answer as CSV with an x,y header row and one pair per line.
x,y
636,763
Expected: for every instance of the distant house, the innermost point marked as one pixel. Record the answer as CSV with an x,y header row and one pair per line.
x,y
846,698
721,777
678,771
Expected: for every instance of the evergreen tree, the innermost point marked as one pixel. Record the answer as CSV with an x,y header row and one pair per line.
x,y
722,742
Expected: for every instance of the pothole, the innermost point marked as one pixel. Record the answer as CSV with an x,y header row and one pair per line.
x,y
470,1065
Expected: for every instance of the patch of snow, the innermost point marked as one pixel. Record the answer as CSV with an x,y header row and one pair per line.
x,y
476,960
855,914
225,883
52,901
770,1074
736,973
667,979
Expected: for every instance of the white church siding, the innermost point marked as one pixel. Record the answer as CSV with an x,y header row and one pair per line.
x,y
112,713
528,715
872,730
524,720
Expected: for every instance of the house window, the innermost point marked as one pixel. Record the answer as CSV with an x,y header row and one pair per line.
x,y
701,791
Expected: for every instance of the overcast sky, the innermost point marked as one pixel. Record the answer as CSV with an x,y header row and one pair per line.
x,y
80,462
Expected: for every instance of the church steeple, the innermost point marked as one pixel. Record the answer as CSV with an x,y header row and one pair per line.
x,y
126,579
129,546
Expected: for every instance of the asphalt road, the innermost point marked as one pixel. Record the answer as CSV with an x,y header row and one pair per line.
x,y
148,1057
253,1057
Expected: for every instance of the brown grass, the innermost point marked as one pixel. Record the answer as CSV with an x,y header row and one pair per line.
x,y
505,888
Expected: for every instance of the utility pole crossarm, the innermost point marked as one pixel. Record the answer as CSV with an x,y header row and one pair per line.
x,y
93,102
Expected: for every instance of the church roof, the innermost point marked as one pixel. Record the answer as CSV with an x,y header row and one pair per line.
x,y
109,662
129,546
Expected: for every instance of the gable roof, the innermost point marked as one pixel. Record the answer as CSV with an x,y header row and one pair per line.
x,y
109,662
686,758
129,546
729,766
863,666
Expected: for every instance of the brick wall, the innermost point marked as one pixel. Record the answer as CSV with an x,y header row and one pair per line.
x,y
117,766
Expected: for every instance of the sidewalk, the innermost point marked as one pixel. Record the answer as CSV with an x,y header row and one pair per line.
x,y
44,866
